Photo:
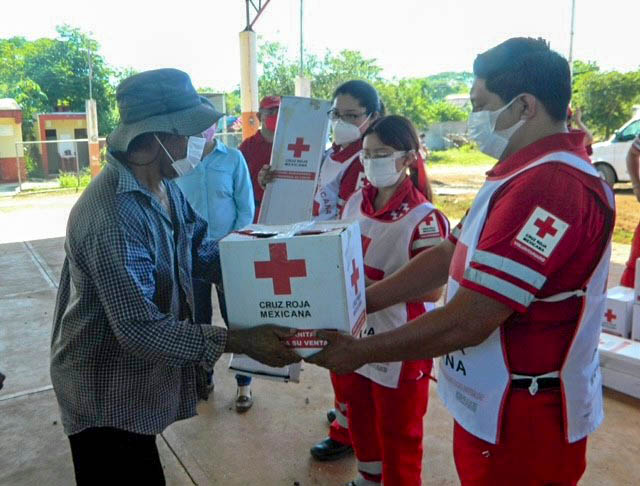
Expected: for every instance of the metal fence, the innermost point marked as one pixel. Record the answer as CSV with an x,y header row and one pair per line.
x,y
51,158
47,158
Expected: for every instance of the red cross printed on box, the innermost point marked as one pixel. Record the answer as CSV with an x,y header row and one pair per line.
x,y
355,276
609,315
545,227
298,147
280,268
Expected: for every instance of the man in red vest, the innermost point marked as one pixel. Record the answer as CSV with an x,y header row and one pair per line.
x,y
257,148
526,273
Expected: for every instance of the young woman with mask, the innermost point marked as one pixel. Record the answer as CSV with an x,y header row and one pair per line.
x,y
387,401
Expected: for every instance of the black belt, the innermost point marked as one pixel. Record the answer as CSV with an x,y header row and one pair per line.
x,y
540,384
543,383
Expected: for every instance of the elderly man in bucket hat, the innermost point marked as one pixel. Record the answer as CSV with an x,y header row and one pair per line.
x,y
127,358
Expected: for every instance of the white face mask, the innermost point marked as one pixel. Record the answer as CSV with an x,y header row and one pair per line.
x,y
482,126
345,133
195,149
381,171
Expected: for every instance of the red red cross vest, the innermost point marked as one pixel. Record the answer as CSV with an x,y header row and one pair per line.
x,y
388,248
327,195
476,398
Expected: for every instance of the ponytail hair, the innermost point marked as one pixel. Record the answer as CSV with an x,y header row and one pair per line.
x,y
398,132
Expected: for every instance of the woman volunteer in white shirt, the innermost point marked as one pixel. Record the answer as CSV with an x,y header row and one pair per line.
x,y
387,401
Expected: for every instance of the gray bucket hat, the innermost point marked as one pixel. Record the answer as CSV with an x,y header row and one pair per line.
x,y
162,100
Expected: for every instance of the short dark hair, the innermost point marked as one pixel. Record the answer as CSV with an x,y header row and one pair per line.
x,y
527,65
398,132
366,95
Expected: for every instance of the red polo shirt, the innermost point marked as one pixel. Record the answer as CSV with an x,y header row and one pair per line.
x,y
538,334
257,152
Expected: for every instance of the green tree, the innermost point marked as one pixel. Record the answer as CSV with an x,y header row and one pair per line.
x,y
279,71
334,69
420,99
606,98
47,73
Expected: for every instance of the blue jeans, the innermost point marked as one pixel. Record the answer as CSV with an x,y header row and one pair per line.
x,y
203,313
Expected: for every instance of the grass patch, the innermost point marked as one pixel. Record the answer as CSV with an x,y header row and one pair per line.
x,y
70,179
466,155
628,213
454,207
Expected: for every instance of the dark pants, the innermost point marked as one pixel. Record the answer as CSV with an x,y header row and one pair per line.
x,y
204,313
108,456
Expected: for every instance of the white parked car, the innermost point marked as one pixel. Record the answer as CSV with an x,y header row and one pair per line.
x,y
610,157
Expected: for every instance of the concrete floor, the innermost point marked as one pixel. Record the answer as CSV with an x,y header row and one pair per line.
x,y
267,446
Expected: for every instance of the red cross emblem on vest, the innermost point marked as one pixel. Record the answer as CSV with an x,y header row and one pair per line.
x,y
355,276
545,227
298,147
280,268
610,315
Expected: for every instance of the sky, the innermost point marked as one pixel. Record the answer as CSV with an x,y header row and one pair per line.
x,y
408,38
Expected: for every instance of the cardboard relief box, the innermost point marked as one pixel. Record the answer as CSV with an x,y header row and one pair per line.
x,y
618,311
620,364
307,275
635,323
298,148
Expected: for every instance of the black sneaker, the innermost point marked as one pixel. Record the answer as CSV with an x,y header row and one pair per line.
x,y
330,450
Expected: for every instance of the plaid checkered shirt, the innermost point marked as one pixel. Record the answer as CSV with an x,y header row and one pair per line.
x,y
124,350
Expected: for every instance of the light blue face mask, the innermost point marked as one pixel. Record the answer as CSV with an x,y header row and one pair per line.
x,y
186,165
481,127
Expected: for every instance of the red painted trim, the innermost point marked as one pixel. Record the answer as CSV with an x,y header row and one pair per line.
x,y
15,114
8,170
62,116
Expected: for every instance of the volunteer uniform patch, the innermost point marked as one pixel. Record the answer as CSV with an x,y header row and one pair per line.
x,y
540,235
429,227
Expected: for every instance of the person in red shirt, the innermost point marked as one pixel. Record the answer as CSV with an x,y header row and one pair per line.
x,y
633,167
257,148
526,274
387,401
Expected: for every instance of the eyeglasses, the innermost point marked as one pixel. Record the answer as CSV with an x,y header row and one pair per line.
x,y
346,117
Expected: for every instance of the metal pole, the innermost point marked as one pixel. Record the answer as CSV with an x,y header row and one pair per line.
x,y
18,167
301,39
75,147
90,73
573,27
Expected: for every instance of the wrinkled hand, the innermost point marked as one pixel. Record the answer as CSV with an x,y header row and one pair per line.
x,y
342,354
265,176
266,344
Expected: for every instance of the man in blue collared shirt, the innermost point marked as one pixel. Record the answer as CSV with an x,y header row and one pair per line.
x,y
220,191
127,356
